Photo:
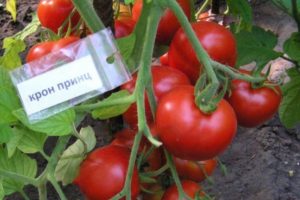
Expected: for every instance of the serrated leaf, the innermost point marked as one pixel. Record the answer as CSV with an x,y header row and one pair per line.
x,y
242,9
11,7
256,45
112,111
26,141
292,46
289,108
57,125
29,29
5,133
68,166
11,58
19,164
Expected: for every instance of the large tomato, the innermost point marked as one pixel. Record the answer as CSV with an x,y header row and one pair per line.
x,y
190,134
215,39
253,106
164,79
194,170
168,24
191,188
102,174
53,13
123,27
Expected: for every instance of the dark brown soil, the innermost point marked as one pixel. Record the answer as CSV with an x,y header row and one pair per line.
x,y
263,163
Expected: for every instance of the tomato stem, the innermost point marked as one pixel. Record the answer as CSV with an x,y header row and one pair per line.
x,y
89,15
170,163
24,195
202,8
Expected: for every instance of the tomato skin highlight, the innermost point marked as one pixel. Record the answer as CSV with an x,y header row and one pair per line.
x,y
39,50
191,188
164,79
168,24
253,107
215,39
193,170
102,174
53,13
188,133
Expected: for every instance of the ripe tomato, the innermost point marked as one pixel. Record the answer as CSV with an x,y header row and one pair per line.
x,y
194,170
191,188
164,79
215,39
102,174
124,27
168,24
190,134
253,106
53,13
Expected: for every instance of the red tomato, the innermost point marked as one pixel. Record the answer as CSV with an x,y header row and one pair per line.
x,y
39,50
124,27
191,188
253,106
168,24
194,170
188,133
215,39
164,59
53,13
102,174
164,79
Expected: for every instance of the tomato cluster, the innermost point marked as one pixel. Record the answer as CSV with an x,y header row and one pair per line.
x,y
193,137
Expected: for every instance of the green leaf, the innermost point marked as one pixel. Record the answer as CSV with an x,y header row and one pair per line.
x,y
19,164
289,108
5,133
11,58
11,7
292,46
57,125
29,29
126,47
242,9
256,45
68,165
115,110
26,141
128,1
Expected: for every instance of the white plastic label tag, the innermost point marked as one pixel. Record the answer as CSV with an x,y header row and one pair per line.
x,y
70,75
59,85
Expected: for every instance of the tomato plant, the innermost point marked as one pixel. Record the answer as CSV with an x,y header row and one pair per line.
x,y
194,170
168,24
102,174
253,106
188,133
218,42
52,14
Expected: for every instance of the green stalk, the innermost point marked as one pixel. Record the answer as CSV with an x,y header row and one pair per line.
x,y
235,74
143,74
202,8
174,173
102,104
42,189
24,195
296,13
57,187
89,15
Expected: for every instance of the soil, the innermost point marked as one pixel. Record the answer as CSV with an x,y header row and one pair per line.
x,y
262,163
